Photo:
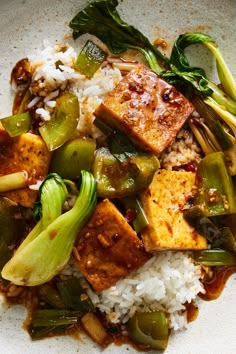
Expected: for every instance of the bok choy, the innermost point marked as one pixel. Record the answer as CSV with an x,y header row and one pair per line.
x,y
100,18
45,254
221,101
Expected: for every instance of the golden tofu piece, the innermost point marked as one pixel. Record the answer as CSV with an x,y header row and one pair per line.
x,y
163,202
29,153
107,248
147,108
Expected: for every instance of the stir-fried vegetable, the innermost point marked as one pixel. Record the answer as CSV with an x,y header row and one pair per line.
x,y
73,157
89,59
138,216
50,320
50,295
13,181
149,329
101,19
52,193
119,144
218,235
12,226
117,179
74,295
52,247
63,122
215,187
94,327
17,124
214,258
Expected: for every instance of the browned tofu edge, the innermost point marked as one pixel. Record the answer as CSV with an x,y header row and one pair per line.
x,y
108,247
163,231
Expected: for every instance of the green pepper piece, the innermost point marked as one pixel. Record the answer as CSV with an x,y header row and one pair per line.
x,y
89,59
73,157
150,329
215,187
117,179
63,122
17,124
214,258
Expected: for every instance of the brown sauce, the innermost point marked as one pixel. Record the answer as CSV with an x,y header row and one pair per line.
x,y
215,285
192,311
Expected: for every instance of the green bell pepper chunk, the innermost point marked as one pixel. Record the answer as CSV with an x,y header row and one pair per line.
x,y
215,187
73,157
149,329
117,179
89,59
63,122
17,124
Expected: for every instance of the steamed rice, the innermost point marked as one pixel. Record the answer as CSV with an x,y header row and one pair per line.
x,y
169,279
166,281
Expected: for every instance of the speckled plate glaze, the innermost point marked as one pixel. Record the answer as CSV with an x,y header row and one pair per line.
x,y
23,26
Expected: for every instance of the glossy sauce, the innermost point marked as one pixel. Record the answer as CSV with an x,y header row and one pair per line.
x,y
215,285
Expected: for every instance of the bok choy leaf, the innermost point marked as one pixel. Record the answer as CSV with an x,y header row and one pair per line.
x,y
100,18
46,254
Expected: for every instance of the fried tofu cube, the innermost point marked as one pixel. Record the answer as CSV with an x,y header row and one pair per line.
x,y
163,202
29,153
107,248
147,108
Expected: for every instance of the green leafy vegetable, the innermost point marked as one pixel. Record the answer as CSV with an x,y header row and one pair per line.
x,y
180,66
12,228
100,18
74,295
119,144
52,194
46,255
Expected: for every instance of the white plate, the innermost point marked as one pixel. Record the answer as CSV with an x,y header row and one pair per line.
x,y
23,26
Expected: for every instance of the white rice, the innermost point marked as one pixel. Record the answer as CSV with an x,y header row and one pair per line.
x,y
166,281
50,79
169,279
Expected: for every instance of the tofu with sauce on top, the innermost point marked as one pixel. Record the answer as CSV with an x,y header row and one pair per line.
x,y
25,153
107,248
146,108
163,202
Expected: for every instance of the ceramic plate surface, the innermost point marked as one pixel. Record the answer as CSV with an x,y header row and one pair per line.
x,y
23,26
